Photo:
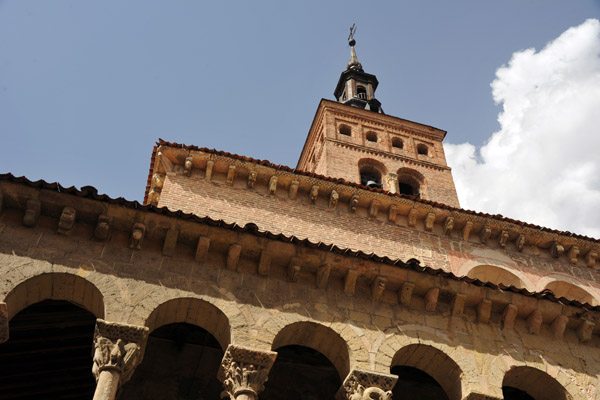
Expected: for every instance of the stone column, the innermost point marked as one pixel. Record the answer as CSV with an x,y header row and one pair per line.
x,y
392,182
118,349
244,371
3,323
361,384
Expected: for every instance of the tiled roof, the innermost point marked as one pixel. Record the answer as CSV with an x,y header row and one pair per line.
x,y
90,192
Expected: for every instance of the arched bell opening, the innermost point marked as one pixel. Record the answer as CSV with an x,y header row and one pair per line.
x,y
410,182
425,373
180,363
527,383
301,373
49,353
371,173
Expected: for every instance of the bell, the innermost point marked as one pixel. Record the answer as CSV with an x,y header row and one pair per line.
x,y
373,184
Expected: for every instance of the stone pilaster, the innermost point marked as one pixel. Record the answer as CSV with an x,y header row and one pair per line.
x,y
392,182
244,371
366,385
118,349
3,323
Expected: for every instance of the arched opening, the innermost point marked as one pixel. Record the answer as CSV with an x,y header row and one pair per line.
x,y
371,172
296,372
571,292
397,143
422,149
307,352
410,182
497,275
361,92
372,137
526,383
425,373
345,130
49,353
180,363
56,286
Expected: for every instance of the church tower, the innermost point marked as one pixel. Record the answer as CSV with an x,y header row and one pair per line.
x,y
353,139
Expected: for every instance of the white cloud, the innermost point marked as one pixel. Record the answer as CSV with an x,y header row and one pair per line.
x,y
543,165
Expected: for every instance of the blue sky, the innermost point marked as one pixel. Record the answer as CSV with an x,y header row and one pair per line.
x,y
87,87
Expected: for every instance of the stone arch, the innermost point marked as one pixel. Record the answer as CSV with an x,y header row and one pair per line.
x,y
569,288
56,286
535,383
317,337
193,311
410,180
435,363
497,275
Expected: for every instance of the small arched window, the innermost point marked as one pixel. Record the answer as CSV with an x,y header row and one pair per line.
x,y
372,137
422,149
397,143
410,182
361,92
345,130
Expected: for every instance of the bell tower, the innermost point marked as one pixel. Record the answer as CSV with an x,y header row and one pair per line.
x,y
353,139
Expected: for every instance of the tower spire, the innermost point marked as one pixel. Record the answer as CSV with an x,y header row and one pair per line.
x,y
355,87
353,64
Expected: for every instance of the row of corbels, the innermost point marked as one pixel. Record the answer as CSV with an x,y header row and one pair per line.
x,y
556,250
322,275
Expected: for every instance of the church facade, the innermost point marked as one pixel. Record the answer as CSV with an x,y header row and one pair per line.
x,y
355,275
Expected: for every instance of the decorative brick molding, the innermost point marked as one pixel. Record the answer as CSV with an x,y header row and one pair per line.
x,y
361,384
244,371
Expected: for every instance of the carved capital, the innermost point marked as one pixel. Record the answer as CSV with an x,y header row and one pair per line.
x,y
244,371
366,385
3,323
118,347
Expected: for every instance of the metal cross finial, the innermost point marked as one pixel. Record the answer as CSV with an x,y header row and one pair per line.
x,y
351,40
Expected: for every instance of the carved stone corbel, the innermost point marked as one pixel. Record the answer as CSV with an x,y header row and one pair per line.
x,y
32,213
170,243
520,242
118,350
3,322
373,208
251,179
556,250
137,235
458,304
590,258
314,193
230,175
378,287
322,276
244,372
393,213
534,322
187,166
293,190
353,203
509,315
366,385
559,325
503,238
233,256
485,233
467,230
448,226
209,169
431,299
66,221
429,221
102,227
573,253
405,293
584,332
350,281
293,269
273,184
484,310
202,248
412,217
333,199
264,263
